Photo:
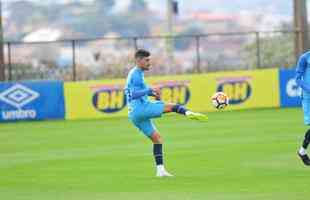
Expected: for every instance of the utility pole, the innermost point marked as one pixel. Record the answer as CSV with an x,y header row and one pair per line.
x,y
301,27
2,66
169,40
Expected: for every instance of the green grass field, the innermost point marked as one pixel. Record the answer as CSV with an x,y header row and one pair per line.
x,y
244,155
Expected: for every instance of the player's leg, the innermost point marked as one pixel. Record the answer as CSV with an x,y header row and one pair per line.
x,y
148,129
306,141
177,108
303,149
153,110
156,109
158,155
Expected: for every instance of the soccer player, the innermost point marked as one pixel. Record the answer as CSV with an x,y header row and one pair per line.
x,y
303,80
141,110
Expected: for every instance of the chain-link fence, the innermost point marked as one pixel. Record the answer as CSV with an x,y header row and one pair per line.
x,y
113,57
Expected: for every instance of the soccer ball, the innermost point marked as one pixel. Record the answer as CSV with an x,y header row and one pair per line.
x,y
220,100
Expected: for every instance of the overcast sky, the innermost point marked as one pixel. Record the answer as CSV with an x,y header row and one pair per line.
x,y
159,5
189,5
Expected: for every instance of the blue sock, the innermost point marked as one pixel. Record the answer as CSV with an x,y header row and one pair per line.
x,y
158,153
306,140
179,109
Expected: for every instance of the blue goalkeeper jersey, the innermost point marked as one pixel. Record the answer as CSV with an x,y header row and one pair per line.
x,y
136,90
303,74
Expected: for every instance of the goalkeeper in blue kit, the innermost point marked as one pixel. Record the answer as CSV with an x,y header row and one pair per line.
x,y
141,110
303,81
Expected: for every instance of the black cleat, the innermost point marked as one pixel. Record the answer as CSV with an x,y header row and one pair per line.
x,y
305,159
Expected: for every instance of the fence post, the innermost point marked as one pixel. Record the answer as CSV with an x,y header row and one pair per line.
x,y
9,61
135,42
258,59
73,61
197,39
296,44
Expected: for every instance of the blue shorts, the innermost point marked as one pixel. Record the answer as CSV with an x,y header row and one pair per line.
x,y
306,109
141,116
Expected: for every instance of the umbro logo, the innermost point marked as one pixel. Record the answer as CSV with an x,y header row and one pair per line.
x,y
18,96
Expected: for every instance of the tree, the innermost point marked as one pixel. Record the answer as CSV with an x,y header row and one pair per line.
x,y
104,6
182,43
21,12
130,25
138,6
276,50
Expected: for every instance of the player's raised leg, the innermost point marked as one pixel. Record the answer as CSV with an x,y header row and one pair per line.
x,y
177,108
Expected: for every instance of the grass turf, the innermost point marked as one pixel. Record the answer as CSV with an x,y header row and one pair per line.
x,y
239,155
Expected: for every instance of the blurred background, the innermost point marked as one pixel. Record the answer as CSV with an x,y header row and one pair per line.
x,y
95,39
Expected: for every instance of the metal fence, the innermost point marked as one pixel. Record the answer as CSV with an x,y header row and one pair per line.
x,y
113,57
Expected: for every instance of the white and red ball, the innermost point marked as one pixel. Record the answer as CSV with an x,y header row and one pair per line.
x,y
220,100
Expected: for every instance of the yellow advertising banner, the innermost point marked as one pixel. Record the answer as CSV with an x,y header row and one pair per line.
x,y
94,99
246,89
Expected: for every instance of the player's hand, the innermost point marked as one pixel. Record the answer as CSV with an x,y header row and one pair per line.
x,y
156,92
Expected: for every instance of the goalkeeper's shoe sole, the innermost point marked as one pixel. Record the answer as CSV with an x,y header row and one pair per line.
x,y
304,158
198,117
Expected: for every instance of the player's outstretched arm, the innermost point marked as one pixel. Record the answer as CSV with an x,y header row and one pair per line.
x,y
136,94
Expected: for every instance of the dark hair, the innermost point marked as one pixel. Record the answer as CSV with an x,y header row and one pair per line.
x,y
141,53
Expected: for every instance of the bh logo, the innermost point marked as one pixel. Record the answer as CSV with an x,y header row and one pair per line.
x,y
174,91
18,96
238,89
109,99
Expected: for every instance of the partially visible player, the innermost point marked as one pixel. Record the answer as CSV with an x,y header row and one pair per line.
x,y
142,110
303,80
